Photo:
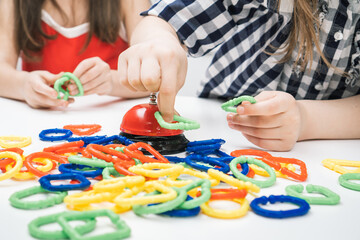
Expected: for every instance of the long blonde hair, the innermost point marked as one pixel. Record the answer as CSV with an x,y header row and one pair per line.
x,y
304,34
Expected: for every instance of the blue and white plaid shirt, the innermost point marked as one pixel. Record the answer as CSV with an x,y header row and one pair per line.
x,y
245,30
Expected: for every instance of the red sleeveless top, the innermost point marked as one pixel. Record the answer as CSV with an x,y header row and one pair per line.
x,y
64,53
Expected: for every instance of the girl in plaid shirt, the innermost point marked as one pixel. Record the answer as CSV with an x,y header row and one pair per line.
x,y
299,58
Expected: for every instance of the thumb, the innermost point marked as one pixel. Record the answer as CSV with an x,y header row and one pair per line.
x,y
265,95
51,78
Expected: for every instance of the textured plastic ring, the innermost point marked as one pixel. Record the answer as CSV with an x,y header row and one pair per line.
x,y
227,193
16,199
206,142
229,105
344,181
90,162
130,151
263,184
71,168
37,232
114,139
122,230
86,139
127,198
45,182
340,166
83,129
162,207
205,194
182,123
192,160
330,198
162,170
18,164
304,207
14,141
183,212
65,78
108,172
60,146
43,135
226,214
220,176
29,160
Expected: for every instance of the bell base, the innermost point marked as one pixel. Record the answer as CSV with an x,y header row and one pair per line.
x,y
163,144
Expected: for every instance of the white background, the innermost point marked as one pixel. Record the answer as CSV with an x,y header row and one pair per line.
x,y
322,222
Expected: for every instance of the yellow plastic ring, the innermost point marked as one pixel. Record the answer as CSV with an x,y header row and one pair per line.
x,y
166,169
14,141
18,164
337,165
260,171
171,181
233,181
126,198
226,214
118,184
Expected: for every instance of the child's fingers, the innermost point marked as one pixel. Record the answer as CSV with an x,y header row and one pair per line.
x,y
44,101
269,144
93,86
150,74
168,92
41,88
84,66
133,74
101,89
122,73
255,121
264,133
269,106
91,74
50,78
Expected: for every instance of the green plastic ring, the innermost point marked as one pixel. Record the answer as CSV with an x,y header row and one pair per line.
x,y
162,207
122,230
205,194
36,232
182,123
89,162
65,78
16,199
229,105
242,159
110,171
344,181
330,198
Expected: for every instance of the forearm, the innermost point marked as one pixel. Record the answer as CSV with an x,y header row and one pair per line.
x,y
330,119
121,91
11,82
152,28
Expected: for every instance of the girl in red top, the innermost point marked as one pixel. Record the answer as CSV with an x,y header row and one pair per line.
x,y
84,37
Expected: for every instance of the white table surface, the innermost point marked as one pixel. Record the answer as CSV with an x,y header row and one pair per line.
x,y
322,222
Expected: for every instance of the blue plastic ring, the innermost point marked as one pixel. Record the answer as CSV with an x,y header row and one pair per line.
x,y
189,160
66,134
107,140
86,139
183,212
206,142
304,207
45,182
174,159
71,168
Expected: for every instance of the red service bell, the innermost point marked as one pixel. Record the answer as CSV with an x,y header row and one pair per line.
x,y
140,125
